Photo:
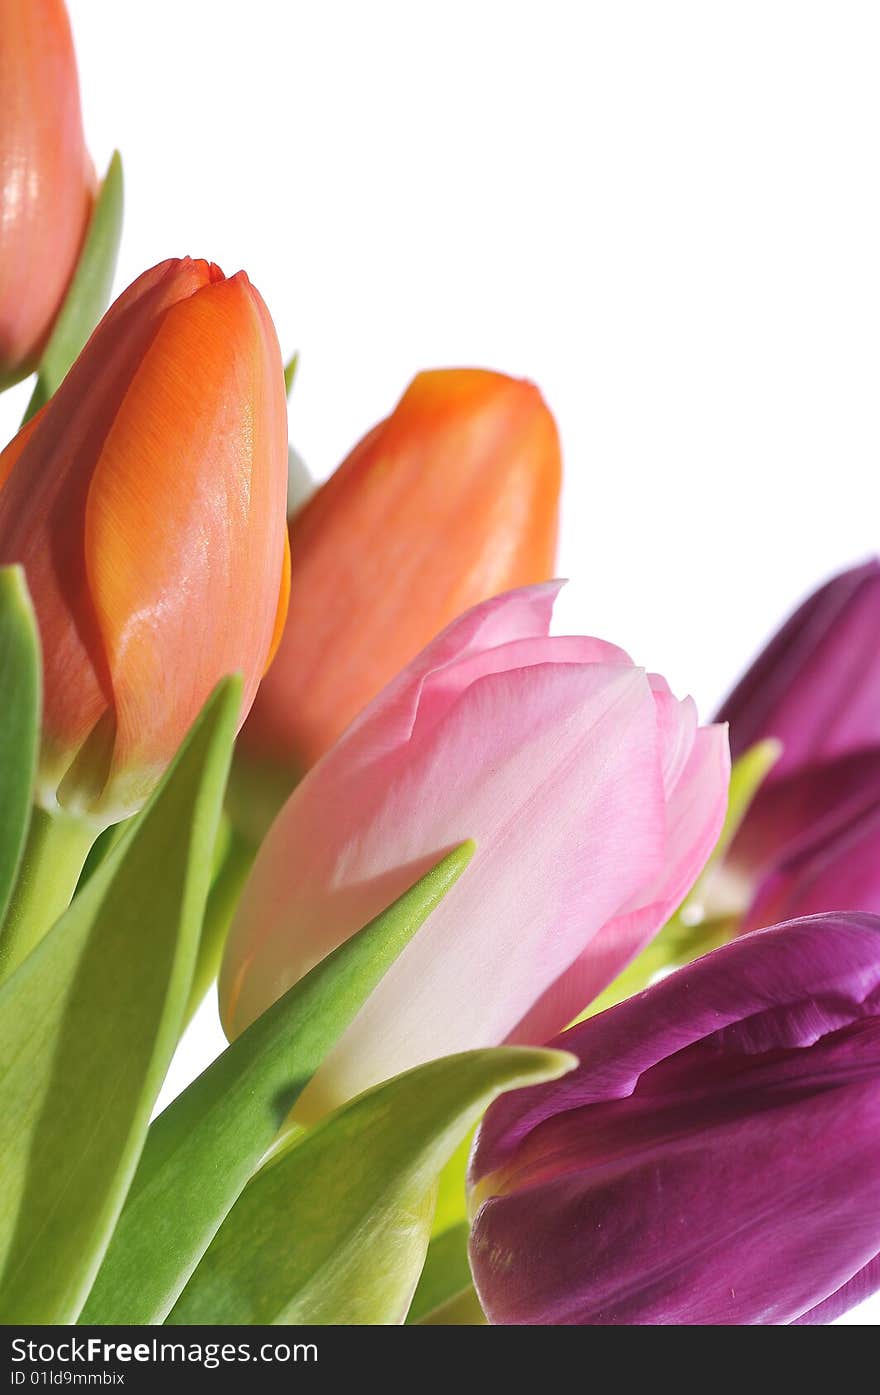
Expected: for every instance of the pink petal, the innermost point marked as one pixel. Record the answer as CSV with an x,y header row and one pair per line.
x,y
554,771
695,814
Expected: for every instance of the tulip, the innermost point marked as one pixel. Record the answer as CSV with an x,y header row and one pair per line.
x,y
146,503
842,868
47,181
714,1159
450,500
816,686
816,689
594,800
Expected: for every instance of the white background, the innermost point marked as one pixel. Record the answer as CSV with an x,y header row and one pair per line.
x,y
667,215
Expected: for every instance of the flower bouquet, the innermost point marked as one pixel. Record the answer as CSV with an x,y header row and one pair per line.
x,y
538,1011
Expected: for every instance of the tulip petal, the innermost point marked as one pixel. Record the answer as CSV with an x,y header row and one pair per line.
x,y
806,809
739,1220
451,499
533,764
815,685
441,687
695,814
843,869
516,615
46,177
861,1286
283,602
89,290
774,989
713,1158
202,387
43,505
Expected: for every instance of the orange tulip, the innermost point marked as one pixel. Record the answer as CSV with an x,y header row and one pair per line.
x,y
146,502
47,181
450,500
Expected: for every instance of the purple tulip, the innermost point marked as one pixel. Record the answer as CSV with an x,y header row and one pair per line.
x,y
840,867
715,1159
816,686
812,828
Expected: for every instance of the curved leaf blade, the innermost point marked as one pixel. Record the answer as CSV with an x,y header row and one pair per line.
x,y
205,1146
445,1276
334,1229
88,1024
20,683
89,290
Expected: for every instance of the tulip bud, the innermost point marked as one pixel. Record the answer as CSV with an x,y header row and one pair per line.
x,y
594,800
816,685
841,868
146,502
816,689
715,1159
450,500
47,181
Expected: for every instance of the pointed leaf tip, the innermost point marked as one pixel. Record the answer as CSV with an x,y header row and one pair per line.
x,y
201,1152
334,1229
89,290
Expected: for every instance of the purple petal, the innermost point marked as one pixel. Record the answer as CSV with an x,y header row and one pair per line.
x,y
816,686
714,1158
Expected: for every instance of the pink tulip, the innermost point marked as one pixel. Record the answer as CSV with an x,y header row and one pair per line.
x,y
594,799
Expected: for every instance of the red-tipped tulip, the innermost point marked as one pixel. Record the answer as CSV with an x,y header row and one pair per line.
x,y
146,502
47,181
450,500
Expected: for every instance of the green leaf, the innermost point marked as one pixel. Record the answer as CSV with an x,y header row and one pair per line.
x,y
461,1311
88,1023
334,1228
89,291
446,1275
451,1196
206,1145
20,674
230,874
290,368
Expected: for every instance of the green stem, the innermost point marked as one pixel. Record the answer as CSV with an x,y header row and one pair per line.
x,y
56,849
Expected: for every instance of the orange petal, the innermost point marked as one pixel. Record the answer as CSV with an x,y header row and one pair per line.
x,y
184,530
48,469
283,603
9,456
47,182
451,500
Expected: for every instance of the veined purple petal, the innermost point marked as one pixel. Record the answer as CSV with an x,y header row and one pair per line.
x,y
842,869
816,685
860,1287
715,1157
805,809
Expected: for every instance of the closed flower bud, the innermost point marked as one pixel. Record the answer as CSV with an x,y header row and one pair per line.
x,y
452,499
715,1159
47,182
839,868
816,685
816,689
146,502
594,799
